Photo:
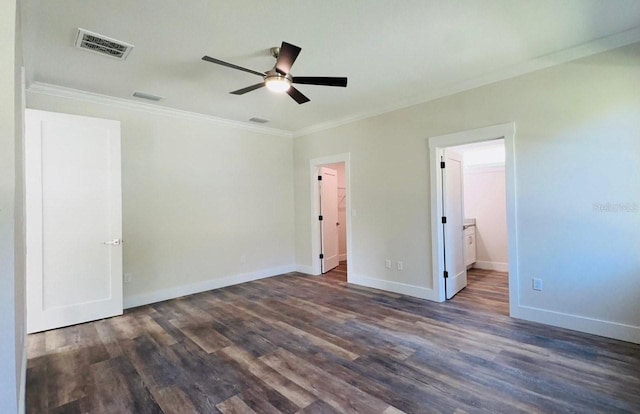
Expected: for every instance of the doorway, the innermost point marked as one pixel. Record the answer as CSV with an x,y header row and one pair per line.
x,y
443,152
474,197
330,217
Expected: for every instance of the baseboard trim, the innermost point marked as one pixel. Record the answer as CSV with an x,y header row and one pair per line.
x,y
307,270
395,287
593,326
342,257
497,266
190,289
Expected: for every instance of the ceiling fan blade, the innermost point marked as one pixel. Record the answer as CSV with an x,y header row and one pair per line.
x,y
286,57
297,95
320,80
248,89
230,65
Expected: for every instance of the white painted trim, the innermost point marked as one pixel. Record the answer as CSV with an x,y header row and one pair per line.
x,y
607,329
436,146
542,62
184,290
395,287
307,270
23,377
84,96
497,266
23,340
342,257
314,164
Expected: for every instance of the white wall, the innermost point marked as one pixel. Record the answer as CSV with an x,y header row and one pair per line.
x,y
483,154
198,199
577,143
485,200
342,209
12,312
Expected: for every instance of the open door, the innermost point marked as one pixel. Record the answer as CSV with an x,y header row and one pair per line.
x,y
74,219
328,181
453,209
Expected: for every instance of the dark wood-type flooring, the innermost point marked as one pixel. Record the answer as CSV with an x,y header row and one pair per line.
x,y
301,344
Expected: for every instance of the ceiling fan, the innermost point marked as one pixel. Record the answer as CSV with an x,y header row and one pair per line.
x,y
279,78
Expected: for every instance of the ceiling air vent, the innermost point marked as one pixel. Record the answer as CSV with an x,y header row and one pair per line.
x,y
97,43
147,96
259,120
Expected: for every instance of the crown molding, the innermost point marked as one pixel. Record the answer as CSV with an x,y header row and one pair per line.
x,y
79,95
600,45
546,61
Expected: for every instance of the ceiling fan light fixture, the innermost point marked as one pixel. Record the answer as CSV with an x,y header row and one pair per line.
x,y
279,79
277,83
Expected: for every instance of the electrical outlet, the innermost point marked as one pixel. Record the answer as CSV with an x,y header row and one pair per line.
x,y
400,265
387,263
243,258
128,277
537,284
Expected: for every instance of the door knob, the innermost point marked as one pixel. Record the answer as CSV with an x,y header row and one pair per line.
x,y
114,242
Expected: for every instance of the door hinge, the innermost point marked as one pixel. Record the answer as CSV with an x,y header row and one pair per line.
x,y
320,218
446,274
441,164
444,220
319,178
321,256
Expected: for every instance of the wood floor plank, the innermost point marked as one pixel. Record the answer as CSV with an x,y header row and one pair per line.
x,y
319,407
37,400
152,328
121,389
172,400
300,344
334,391
296,394
68,374
256,393
205,337
234,405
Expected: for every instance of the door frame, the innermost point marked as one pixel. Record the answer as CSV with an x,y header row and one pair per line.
x,y
436,148
314,164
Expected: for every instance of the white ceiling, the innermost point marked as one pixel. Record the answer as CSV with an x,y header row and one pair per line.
x,y
393,52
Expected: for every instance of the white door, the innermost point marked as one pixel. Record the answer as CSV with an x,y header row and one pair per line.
x,y
329,212
454,247
74,219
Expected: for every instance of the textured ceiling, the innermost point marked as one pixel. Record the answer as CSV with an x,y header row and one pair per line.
x,y
393,52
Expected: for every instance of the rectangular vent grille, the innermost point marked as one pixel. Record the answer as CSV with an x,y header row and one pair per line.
x,y
97,43
147,96
259,120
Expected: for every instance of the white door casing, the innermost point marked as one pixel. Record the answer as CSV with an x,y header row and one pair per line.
x,y
329,213
437,144
74,219
453,229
